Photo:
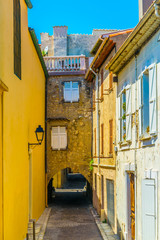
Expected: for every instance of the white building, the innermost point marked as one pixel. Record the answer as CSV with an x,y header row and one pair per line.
x,y
137,65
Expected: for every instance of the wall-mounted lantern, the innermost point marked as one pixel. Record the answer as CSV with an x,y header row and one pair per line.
x,y
39,135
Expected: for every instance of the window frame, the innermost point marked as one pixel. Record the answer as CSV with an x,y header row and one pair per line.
x,y
71,91
110,136
152,100
59,134
102,138
126,134
17,37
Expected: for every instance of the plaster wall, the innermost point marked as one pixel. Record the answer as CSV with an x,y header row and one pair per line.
x,y
147,153
23,111
107,108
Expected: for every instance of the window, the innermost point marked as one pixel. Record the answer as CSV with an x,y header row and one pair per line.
x,y
111,136
110,80
102,138
59,138
102,83
17,38
71,91
125,115
147,102
95,146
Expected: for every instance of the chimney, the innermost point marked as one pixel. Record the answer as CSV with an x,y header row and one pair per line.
x,y
60,40
143,6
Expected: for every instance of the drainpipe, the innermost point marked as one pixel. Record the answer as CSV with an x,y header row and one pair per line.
x,y
135,150
98,116
157,10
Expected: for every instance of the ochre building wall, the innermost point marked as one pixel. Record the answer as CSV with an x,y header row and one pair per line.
x,y
77,119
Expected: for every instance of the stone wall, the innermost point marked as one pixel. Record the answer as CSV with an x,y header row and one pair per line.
x,y
63,44
77,119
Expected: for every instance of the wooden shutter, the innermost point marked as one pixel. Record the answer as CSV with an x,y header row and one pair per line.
x,y
152,100
59,138
140,104
75,92
67,92
102,138
111,136
110,80
17,37
95,145
54,138
128,113
148,209
119,119
101,83
63,137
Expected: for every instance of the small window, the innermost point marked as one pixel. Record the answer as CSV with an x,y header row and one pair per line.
x,y
110,80
71,92
125,115
59,138
111,136
17,38
102,138
148,102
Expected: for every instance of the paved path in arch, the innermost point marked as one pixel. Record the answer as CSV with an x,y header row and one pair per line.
x,y
71,218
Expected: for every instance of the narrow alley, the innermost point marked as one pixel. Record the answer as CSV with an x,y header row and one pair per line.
x,y
70,216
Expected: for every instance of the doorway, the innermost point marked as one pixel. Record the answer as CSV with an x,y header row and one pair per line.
x,y
131,205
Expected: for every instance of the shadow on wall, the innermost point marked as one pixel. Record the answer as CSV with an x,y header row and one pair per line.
x,y
68,181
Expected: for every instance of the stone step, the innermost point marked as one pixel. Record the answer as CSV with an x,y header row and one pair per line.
x,y
37,229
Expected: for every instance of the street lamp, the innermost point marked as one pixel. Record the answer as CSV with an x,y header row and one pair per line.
x,y
39,135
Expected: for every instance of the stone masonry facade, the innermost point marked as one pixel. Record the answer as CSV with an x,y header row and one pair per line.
x,y
76,117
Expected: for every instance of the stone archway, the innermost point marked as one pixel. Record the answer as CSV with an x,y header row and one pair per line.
x,y
82,169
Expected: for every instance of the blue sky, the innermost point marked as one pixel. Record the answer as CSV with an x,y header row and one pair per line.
x,y
82,16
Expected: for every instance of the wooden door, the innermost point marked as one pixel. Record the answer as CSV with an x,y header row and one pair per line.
x,y
132,205
110,203
102,192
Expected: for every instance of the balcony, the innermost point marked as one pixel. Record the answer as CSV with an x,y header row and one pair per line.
x,y
68,65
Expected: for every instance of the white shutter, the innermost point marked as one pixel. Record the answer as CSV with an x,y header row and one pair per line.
x,y
67,95
63,138
75,95
67,91
152,100
128,113
119,120
140,104
55,138
148,209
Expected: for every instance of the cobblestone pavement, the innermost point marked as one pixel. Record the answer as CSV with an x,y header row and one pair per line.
x,y
71,218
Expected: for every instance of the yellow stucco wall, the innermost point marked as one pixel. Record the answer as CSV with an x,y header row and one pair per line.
x,y
0,164
107,109
24,110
